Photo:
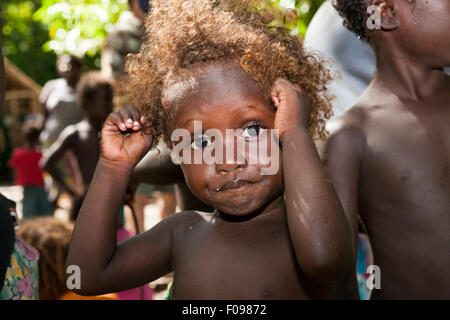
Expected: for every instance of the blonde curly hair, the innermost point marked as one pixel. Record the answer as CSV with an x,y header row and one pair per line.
x,y
183,37
51,237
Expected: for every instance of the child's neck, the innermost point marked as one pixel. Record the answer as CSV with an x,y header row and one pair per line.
x,y
407,77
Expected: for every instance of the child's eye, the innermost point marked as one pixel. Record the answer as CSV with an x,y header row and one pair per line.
x,y
252,131
201,142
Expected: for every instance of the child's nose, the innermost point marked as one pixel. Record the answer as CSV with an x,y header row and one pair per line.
x,y
228,167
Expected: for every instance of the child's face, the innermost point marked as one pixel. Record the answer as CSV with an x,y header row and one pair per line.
x,y
227,98
100,106
425,29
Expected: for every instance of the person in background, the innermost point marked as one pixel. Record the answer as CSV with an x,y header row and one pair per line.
x,y
95,99
124,39
388,155
25,163
51,237
58,98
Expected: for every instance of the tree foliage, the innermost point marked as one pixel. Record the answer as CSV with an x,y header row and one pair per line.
x,y
36,31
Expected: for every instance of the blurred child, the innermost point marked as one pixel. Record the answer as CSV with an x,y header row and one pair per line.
x,y
282,235
389,156
25,162
51,237
58,99
94,98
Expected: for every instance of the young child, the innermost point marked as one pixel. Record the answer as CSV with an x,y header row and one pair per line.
x,y
389,155
51,237
94,97
25,162
278,236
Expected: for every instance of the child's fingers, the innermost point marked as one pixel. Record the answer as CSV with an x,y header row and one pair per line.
x,y
117,120
275,92
129,118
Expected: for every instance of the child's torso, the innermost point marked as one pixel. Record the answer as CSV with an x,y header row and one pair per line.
x,y
404,197
214,259
87,150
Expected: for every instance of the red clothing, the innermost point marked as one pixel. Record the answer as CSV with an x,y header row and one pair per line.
x,y
25,163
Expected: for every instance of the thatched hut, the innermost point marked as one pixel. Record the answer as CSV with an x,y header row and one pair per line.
x,y
21,98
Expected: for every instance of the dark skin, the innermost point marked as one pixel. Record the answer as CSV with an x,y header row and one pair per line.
x,y
389,156
82,139
252,235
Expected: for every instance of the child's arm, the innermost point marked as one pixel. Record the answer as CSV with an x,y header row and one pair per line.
x,y
54,153
318,226
106,266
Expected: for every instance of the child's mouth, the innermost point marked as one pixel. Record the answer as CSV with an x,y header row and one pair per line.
x,y
234,186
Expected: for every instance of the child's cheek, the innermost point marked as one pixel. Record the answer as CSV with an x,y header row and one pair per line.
x,y
197,178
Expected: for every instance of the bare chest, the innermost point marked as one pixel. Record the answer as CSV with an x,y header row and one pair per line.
x,y
409,153
235,262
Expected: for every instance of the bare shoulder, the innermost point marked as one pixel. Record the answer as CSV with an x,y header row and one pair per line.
x,y
346,133
187,220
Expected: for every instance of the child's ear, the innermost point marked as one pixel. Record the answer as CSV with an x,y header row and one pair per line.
x,y
389,19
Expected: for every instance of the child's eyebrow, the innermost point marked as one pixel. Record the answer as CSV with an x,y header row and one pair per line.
x,y
267,108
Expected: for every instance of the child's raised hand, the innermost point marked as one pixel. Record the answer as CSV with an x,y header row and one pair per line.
x,y
125,138
293,107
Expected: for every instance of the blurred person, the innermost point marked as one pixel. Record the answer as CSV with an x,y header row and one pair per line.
x,y
18,261
58,98
51,237
94,98
25,163
124,39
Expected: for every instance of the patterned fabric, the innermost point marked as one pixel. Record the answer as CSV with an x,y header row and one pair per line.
x,y
364,259
22,276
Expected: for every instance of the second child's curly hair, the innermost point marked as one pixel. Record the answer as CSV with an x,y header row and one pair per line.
x,y
51,237
354,13
183,37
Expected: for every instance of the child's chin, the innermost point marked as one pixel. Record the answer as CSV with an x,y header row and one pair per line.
x,y
237,209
